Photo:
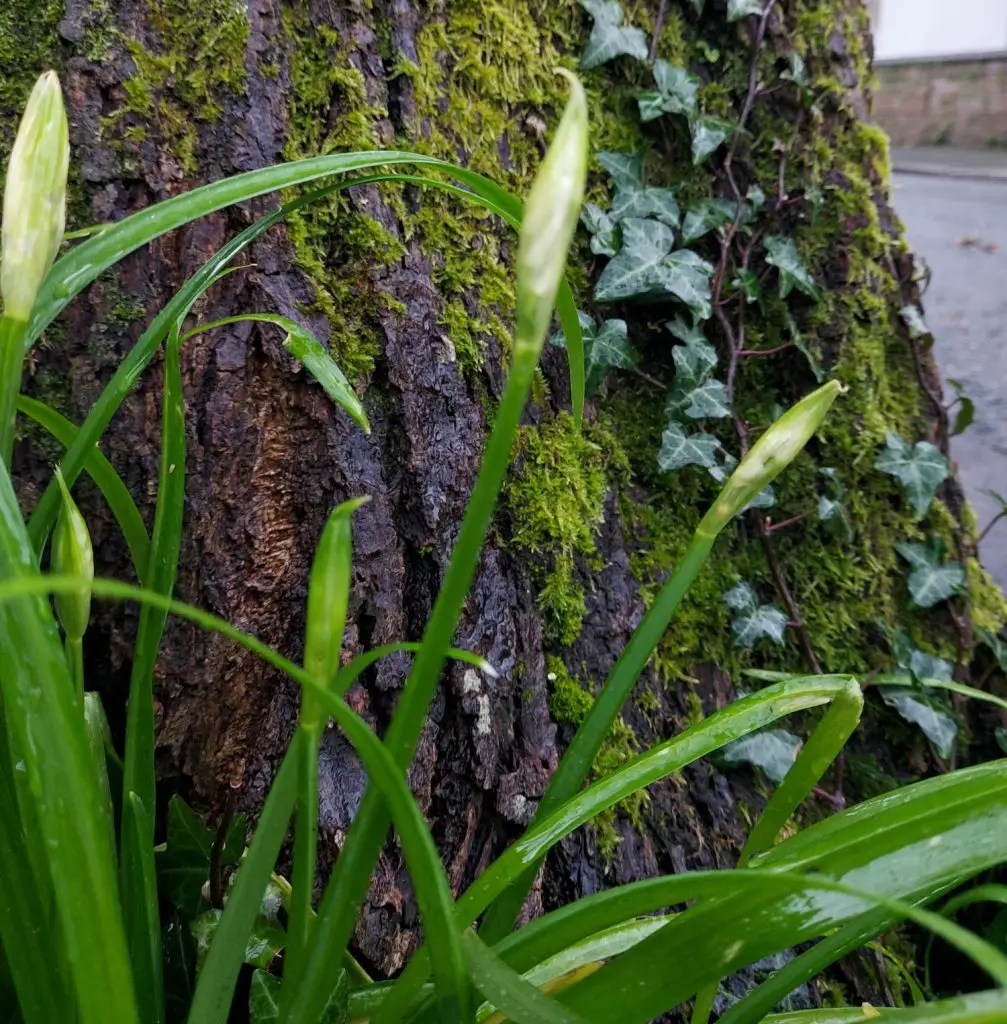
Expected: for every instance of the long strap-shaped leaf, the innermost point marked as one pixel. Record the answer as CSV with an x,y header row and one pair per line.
x,y
103,473
217,979
976,1008
64,827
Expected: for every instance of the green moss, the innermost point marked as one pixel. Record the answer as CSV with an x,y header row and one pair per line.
x,y
28,46
556,500
197,59
569,704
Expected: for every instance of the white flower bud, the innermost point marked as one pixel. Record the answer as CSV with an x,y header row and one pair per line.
x,y
34,209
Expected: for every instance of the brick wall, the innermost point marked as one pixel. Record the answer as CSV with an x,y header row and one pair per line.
x,y
960,103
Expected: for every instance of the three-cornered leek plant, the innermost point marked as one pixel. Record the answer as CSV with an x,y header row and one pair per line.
x,y
98,913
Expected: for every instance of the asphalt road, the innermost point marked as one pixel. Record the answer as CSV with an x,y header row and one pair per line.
x,y
959,227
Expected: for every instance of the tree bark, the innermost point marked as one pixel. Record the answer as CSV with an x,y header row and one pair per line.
x,y
168,94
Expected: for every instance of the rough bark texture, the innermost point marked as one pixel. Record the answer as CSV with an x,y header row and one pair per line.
x,y
269,455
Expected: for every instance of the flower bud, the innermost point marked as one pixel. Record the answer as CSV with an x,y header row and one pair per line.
x,y
770,455
34,209
72,556
550,218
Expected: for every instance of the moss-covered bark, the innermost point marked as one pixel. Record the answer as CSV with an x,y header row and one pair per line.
x,y
414,294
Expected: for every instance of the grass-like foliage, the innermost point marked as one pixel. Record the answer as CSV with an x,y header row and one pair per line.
x,y
95,928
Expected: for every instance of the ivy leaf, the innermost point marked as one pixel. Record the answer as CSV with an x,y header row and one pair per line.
x,y
752,621
698,6
588,327
651,103
610,37
772,750
816,197
659,203
766,498
996,646
184,866
694,361
265,943
610,349
802,346
966,408
931,580
756,197
933,718
264,998
708,402
913,318
635,270
679,449
625,169
747,282
920,469
678,87
708,135
796,71
782,254
687,276
738,9
709,215
689,333
603,229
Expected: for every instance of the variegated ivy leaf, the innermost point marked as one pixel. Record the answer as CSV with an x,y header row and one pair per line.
x,y
782,254
738,9
751,620
690,333
634,270
676,92
931,579
914,320
679,449
802,346
659,203
756,197
917,663
932,716
603,229
709,215
771,750
609,349
708,402
796,71
708,135
610,37
694,361
605,347
625,169
921,469
749,285
687,276
588,328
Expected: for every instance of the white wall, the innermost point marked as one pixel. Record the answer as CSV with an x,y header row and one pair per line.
x,y
907,29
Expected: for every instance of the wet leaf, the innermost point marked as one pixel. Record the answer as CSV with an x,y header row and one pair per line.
x,y
708,135
773,751
659,203
934,719
781,252
931,579
738,9
913,317
921,469
679,449
610,36
751,620
265,943
625,169
709,215
603,230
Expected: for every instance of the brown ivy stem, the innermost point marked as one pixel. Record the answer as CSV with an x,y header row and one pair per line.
x,y
751,353
658,25
772,527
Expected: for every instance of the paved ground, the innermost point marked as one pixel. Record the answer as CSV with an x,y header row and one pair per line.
x,y
959,226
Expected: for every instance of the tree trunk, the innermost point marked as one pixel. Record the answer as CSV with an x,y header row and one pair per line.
x,y
413,294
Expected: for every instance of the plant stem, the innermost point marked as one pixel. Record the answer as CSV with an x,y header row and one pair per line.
x,y
75,659
12,335
305,856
